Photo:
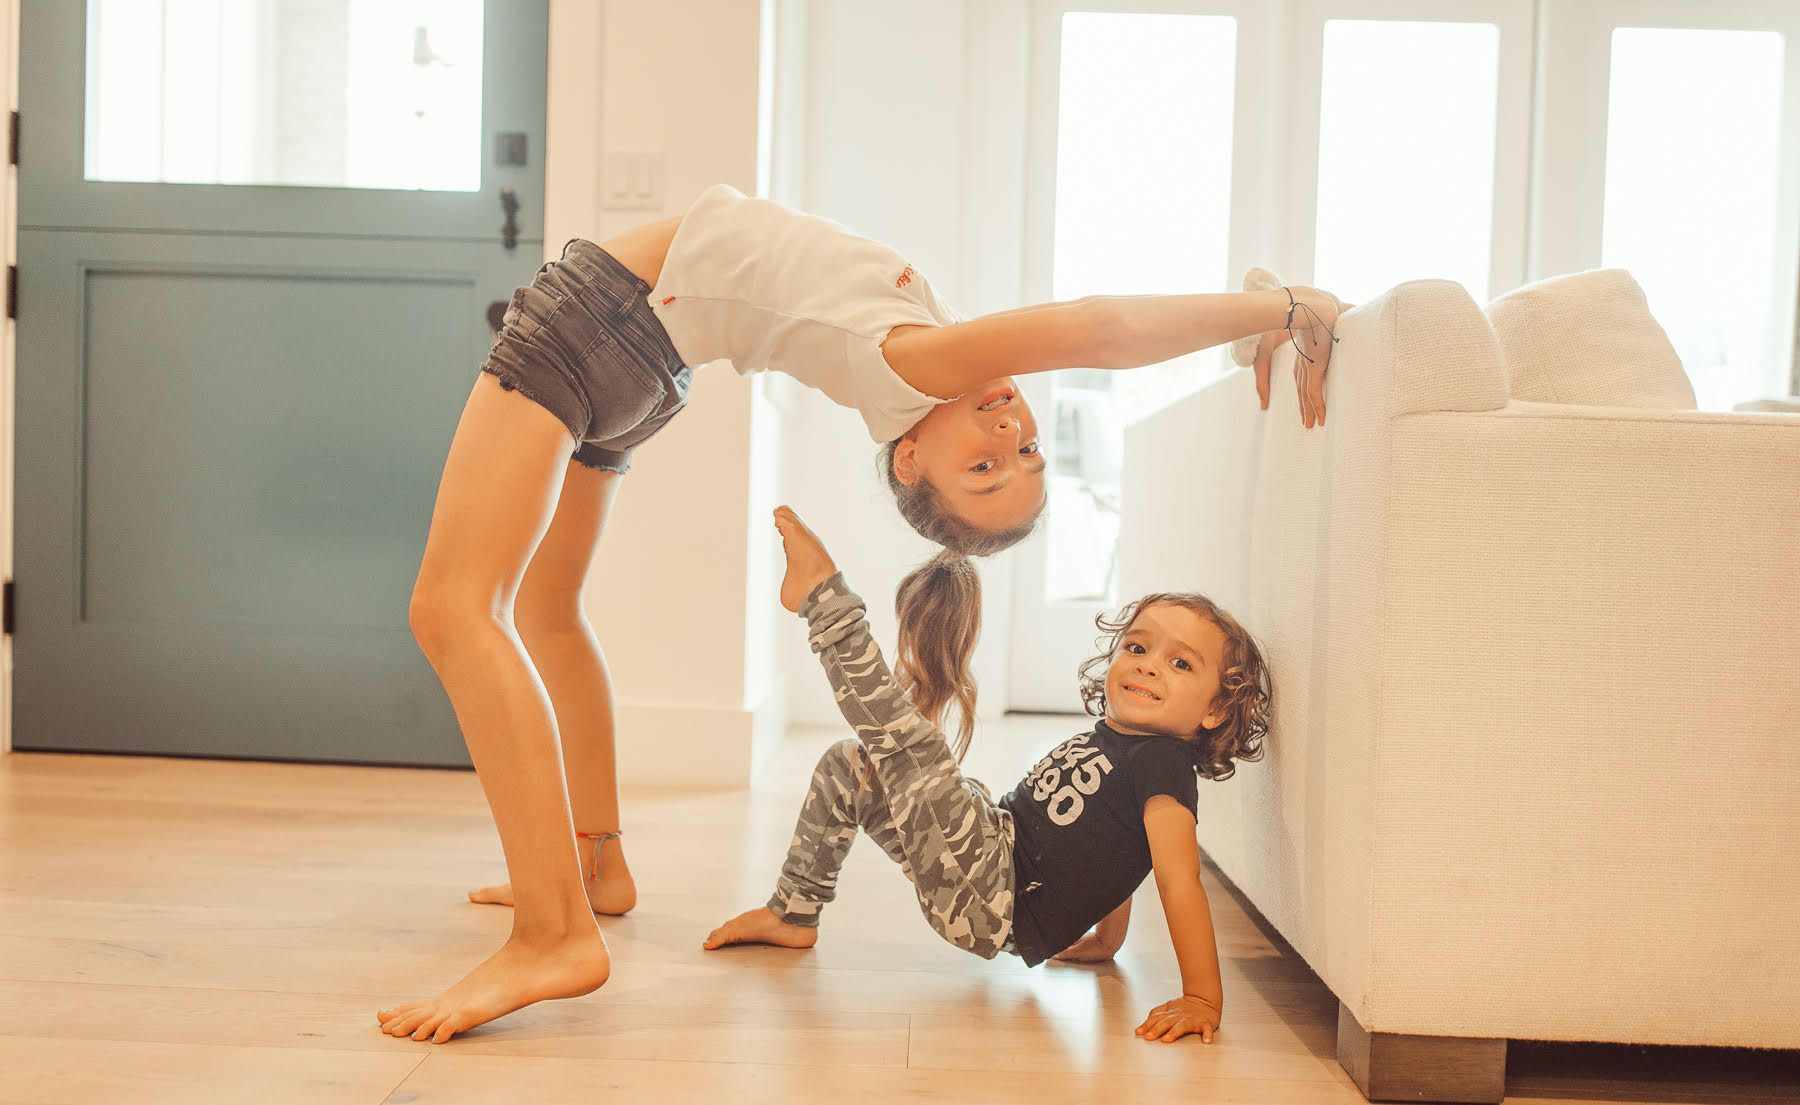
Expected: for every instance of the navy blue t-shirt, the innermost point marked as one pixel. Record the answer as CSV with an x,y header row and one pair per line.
x,y
1080,848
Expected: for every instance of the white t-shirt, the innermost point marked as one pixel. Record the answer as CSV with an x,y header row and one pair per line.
x,y
765,287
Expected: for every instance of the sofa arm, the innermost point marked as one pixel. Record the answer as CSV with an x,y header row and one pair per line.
x,y
1589,686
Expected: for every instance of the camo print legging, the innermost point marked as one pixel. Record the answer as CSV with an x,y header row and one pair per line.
x,y
899,782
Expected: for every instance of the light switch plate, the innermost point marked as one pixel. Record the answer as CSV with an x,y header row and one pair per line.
x,y
631,181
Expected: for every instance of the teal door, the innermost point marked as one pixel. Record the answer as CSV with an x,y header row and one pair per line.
x,y
258,242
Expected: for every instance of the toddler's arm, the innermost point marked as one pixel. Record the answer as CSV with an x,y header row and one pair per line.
x,y
1104,942
1175,858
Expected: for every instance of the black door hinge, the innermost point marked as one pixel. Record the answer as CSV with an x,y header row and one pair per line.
x,y
7,617
12,138
12,291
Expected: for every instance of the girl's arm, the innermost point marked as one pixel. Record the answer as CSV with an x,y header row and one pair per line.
x,y
1175,858
1097,332
1104,942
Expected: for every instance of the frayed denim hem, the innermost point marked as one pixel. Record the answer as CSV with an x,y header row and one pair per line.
x,y
608,463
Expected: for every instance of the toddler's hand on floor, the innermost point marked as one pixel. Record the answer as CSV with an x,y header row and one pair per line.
x,y
808,564
1174,1019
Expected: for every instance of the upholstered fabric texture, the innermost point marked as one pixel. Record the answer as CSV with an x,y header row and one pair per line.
x,y
1532,772
1588,338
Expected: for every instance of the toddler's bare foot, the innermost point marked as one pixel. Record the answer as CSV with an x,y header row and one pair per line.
x,y
808,564
760,926
513,977
613,893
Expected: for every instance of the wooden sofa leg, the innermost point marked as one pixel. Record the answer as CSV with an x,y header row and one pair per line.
x,y
1389,1067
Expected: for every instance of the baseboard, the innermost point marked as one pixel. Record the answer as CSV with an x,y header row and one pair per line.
x,y
698,747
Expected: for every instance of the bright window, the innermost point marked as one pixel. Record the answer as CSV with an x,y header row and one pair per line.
x,y
1693,143
351,93
1406,155
1143,205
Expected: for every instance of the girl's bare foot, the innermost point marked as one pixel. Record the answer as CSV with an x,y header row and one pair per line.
x,y
613,893
517,975
808,564
760,926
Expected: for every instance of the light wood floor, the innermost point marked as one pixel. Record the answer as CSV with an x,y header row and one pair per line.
x,y
190,931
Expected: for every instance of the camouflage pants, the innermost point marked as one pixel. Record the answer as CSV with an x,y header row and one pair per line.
x,y
948,837
899,782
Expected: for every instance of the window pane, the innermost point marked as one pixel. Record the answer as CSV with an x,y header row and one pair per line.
x,y
344,93
1692,138
1406,155
1143,205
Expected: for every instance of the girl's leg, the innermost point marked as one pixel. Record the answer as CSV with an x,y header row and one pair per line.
x,y
561,643
968,903
499,492
843,797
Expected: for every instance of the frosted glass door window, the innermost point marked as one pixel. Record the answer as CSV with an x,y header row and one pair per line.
x,y
1692,151
1407,122
1143,203
344,93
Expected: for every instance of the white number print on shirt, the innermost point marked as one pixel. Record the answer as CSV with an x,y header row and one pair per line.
x,y
1081,766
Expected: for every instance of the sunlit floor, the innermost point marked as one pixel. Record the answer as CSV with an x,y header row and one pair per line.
x,y
194,931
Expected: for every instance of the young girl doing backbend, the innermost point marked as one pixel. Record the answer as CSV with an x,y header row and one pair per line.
x,y
594,357
1180,691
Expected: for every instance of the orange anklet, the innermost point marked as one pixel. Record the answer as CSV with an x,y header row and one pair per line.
x,y
598,839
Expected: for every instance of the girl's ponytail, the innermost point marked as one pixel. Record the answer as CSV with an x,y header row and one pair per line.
x,y
938,606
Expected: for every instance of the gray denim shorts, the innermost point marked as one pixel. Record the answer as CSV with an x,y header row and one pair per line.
x,y
582,342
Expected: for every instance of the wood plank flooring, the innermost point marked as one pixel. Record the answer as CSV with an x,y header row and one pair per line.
x,y
191,931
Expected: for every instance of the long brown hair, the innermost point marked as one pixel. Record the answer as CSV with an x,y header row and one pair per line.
x,y
1246,688
938,607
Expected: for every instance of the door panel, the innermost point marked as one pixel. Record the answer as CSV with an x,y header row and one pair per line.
x,y
225,499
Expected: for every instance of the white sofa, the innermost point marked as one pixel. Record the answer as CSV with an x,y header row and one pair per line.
x,y
1534,770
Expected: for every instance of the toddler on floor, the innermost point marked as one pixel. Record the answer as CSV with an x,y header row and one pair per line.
x,y
1181,691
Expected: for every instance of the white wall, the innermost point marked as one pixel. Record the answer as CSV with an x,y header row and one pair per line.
x,y
671,596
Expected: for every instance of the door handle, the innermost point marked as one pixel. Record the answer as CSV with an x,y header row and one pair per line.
x,y
509,230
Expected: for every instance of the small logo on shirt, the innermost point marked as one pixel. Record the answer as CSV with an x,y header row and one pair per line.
x,y
905,278
668,301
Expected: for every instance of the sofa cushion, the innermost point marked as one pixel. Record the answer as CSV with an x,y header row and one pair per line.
x,y
1588,338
